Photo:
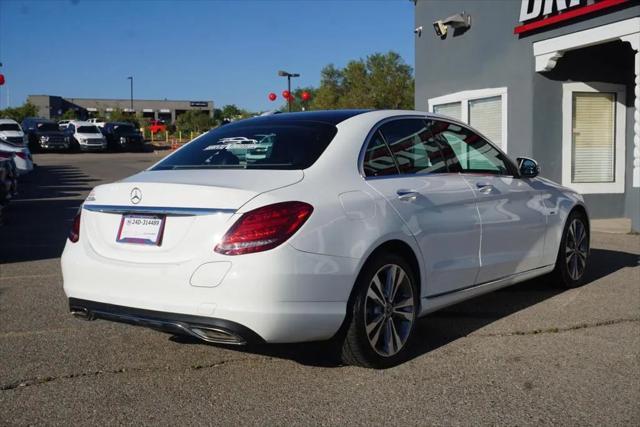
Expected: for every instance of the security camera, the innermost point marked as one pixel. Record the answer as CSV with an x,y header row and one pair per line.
x,y
441,29
418,31
459,20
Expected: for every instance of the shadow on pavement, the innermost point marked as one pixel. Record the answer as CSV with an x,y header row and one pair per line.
x,y
447,325
36,223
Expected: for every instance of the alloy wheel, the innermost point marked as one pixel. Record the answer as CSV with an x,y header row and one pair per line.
x,y
576,249
389,310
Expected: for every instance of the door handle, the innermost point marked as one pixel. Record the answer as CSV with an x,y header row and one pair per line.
x,y
484,187
407,195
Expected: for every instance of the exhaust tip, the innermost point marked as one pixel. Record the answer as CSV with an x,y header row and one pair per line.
x,y
216,335
81,313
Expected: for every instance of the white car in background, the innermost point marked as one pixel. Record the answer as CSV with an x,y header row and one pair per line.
x,y
86,136
98,122
352,226
13,139
62,124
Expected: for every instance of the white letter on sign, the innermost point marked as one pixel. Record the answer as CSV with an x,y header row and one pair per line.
x,y
525,14
548,6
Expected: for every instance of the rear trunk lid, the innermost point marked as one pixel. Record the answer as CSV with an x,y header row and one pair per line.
x,y
196,206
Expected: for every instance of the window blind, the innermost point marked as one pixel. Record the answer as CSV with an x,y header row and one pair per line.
x,y
486,116
593,145
453,110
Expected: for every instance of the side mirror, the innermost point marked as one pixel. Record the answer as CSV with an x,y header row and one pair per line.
x,y
528,167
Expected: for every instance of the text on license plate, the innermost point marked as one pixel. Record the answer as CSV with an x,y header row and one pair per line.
x,y
141,229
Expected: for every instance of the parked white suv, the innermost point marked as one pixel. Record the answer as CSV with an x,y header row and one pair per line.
x,y
86,135
98,122
13,140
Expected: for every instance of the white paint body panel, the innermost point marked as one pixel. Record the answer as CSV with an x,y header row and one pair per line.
x,y
299,291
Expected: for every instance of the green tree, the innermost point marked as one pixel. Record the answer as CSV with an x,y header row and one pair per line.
x,y
118,115
232,112
20,113
70,114
379,81
298,103
193,120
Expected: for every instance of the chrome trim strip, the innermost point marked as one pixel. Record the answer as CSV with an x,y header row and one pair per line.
x,y
158,210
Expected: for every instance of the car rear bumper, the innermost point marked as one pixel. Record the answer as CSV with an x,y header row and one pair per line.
x,y
282,295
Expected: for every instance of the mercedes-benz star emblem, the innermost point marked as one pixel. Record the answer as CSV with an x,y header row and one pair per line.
x,y
136,196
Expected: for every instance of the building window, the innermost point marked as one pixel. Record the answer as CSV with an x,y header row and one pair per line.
x,y
453,110
484,109
593,142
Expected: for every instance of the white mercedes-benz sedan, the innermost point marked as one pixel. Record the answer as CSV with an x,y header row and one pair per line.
x,y
349,225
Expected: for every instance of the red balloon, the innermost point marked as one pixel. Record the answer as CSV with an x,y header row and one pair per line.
x,y
272,96
306,96
286,94
1,79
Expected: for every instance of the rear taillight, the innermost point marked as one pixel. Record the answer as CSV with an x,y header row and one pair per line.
x,y
74,233
22,155
264,228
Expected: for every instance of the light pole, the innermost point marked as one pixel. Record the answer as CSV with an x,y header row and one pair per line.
x,y
288,76
131,79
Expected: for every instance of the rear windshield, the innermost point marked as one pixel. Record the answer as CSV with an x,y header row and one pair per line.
x,y
10,126
88,129
246,146
48,127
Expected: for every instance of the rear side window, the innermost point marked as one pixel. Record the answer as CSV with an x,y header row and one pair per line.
x,y
247,146
378,160
414,146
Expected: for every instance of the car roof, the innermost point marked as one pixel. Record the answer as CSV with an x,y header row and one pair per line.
x,y
325,116
6,121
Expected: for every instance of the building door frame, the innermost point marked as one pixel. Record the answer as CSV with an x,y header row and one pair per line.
x,y
548,52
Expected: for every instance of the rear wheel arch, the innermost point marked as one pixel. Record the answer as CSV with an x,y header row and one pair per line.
x,y
394,246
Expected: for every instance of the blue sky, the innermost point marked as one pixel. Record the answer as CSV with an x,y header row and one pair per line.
x,y
225,51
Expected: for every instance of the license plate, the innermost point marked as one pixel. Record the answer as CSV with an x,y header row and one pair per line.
x,y
141,229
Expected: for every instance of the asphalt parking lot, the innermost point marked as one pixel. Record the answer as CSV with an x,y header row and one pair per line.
x,y
530,354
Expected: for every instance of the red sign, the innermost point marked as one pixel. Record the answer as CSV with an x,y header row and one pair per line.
x,y
536,14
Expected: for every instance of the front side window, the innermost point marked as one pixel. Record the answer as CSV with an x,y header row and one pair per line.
x,y
413,144
254,146
467,152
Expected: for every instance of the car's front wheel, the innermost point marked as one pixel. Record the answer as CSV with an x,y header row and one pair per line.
x,y
573,254
383,313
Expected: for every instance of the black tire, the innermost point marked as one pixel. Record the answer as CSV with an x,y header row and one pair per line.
x,y
572,261
356,346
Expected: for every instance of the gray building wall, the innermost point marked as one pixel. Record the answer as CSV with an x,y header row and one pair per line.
x,y
490,55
